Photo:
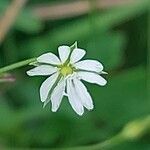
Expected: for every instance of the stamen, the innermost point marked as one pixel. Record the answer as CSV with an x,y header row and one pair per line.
x,y
66,70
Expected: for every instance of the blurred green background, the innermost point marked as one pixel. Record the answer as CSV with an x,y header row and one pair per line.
x,y
113,32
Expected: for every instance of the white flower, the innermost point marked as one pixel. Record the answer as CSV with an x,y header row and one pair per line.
x,y
65,78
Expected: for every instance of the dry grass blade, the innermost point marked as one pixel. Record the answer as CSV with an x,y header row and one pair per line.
x,y
71,9
9,17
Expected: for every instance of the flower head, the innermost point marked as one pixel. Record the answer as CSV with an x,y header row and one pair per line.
x,y
65,77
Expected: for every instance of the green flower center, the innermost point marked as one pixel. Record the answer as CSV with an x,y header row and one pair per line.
x,y
66,70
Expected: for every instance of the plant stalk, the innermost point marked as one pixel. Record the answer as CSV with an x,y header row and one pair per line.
x,y
16,65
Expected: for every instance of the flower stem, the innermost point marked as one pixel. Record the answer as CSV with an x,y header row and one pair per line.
x,y
132,131
16,65
116,140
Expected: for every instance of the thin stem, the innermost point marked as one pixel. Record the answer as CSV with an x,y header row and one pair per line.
x,y
116,140
131,131
16,65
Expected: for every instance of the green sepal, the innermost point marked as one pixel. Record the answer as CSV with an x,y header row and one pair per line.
x,y
50,92
74,45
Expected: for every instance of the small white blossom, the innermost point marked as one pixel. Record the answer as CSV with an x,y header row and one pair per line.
x,y
65,75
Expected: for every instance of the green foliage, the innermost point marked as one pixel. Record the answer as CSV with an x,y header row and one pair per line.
x,y
116,37
28,23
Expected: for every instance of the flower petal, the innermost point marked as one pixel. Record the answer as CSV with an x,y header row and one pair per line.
x,y
92,78
42,70
76,55
46,86
73,98
49,58
103,72
58,94
89,65
64,52
83,94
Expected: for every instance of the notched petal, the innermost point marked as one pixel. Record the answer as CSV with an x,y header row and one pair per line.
x,y
73,98
46,86
49,58
42,70
89,65
64,52
92,78
83,94
57,94
77,54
